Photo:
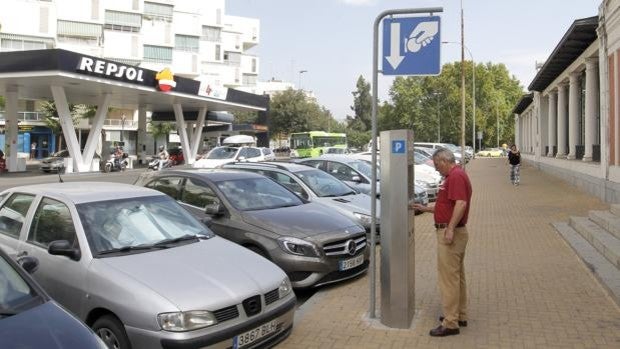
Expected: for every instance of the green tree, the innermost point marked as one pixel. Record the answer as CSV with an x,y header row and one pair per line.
x,y
425,104
52,119
158,129
362,106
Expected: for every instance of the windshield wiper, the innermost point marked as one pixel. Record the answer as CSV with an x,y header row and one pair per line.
x,y
7,312
165,243
130,249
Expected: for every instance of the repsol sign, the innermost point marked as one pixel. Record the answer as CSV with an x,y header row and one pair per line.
x,y
110,69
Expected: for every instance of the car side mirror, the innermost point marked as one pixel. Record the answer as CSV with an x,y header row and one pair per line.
x,y
215,209
64,248
356,179
29,263
207,221
242,159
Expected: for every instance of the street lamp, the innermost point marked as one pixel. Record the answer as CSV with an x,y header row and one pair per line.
x,y
473,92
301,72
437,94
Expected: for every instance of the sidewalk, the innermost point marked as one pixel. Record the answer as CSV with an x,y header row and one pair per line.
x,y
527,288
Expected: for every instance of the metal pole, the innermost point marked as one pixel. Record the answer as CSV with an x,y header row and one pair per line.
x,y
463,162
373,184
122,126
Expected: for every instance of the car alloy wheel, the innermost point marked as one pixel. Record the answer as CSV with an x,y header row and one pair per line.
x,y
108,338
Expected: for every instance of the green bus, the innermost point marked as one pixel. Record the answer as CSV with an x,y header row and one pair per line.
x,y
315,143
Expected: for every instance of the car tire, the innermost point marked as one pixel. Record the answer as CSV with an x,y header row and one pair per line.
x,y
107,168
112,332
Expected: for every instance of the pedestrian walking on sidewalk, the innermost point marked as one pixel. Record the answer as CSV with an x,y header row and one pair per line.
x,y
450,212
514,160
33,150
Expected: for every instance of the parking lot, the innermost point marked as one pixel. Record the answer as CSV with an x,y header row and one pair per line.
x,y
527,287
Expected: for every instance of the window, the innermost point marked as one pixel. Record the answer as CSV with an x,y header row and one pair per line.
x,y
340,171
13,214
157,54
21,45
52,222
198,194
286,181
168,185
186,43
123,21
249,153
218,53
79,29
211,33
158,10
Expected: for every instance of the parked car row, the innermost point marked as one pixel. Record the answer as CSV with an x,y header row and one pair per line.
x,y
140,270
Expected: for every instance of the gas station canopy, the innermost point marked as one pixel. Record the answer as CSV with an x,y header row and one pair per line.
x,y
70,77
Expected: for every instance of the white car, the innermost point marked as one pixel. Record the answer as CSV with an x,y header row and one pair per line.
x,y
141,271
224,155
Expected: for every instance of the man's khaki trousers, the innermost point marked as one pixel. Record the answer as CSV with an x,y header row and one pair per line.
x,y
451,276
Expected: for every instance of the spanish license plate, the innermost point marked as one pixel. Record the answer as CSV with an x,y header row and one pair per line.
x,y
346,264
254,335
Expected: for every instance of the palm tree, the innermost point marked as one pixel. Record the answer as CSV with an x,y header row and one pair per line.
x,y
158,129
52,119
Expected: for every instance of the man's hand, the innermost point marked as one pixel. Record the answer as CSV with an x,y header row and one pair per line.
x,y
448,236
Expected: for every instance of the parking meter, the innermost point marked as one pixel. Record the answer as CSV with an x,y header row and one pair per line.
x,y
397,229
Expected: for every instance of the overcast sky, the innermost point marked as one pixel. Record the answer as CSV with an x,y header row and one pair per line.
x,y
332,39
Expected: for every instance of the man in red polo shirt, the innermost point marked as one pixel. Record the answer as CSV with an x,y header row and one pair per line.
x,y
450,211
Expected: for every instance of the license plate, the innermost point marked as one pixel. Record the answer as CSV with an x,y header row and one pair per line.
x,y
351,262
256,334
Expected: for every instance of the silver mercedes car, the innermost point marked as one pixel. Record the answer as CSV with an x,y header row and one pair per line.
x,y
141,271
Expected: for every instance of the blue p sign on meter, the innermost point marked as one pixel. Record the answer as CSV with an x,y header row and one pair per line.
x,y
398,147
411,46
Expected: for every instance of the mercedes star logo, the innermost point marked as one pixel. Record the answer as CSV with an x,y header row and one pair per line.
x,y
351,247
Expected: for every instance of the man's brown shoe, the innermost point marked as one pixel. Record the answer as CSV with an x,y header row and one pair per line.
x,y
444,331
461,323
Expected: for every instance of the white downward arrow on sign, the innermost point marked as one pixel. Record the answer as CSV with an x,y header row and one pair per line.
x,y
394,58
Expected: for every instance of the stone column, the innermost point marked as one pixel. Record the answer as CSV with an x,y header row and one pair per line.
x,y
574,97
562,114
592,106
552,121
12,129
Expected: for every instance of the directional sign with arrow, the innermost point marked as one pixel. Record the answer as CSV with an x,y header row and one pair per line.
x,y
411,46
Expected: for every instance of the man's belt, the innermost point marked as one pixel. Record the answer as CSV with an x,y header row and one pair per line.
x,y
445,225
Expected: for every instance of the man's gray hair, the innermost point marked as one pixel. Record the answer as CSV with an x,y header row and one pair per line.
x,y
444,154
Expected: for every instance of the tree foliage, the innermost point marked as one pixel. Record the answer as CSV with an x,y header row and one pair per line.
x,y
292,111
362,106
432,105
52,119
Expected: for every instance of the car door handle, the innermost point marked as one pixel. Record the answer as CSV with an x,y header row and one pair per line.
x,y
22,254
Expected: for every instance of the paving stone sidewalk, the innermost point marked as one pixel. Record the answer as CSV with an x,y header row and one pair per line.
x,y
527,288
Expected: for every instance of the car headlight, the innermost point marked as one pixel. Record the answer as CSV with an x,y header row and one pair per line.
x,y
363,218
285,288
186,321
298,247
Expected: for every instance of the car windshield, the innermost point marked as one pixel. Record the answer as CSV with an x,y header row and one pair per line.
x,y
222,153
15,293
136,222
323,184
61,154
363,167
250,194
419,158
335,151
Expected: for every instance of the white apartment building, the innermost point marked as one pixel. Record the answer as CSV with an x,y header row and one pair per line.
x,y
194,39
